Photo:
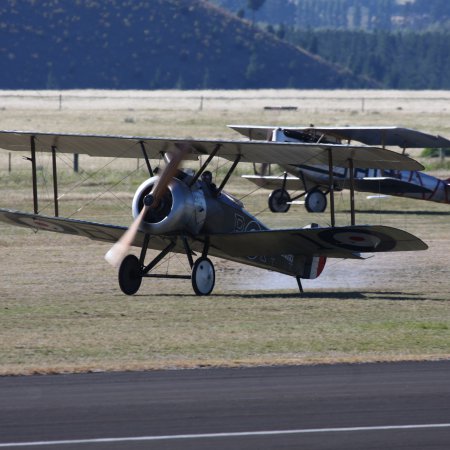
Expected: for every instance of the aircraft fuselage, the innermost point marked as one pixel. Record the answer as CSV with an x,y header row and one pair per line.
x,y
403,183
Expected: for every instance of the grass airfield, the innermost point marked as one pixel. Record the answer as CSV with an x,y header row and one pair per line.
x,y
61,309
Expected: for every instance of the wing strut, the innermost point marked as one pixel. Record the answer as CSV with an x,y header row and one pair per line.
x,y
352,191
55,181
228,175
147,161
331,183
205,165
34,175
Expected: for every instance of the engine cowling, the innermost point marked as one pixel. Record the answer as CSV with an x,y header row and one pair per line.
x,y
182,208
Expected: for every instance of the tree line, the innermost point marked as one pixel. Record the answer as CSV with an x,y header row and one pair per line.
x,y
345,14
397,60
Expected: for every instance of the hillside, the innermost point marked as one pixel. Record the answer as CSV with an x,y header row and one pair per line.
x,y
158,44
402,44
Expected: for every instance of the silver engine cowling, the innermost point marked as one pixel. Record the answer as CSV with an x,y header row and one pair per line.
x,y
182,208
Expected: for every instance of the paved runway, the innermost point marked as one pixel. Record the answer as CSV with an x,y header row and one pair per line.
x,y
365,406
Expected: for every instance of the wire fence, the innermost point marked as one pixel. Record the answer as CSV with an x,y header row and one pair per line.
x,y
361,101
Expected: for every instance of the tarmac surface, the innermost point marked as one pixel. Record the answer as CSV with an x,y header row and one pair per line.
x,y
345,406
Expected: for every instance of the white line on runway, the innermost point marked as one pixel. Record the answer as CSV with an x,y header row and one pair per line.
x,y
222,435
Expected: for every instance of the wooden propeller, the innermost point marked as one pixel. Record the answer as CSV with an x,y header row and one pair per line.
x,y
120,249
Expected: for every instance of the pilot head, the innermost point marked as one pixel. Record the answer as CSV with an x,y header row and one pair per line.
x,y
207,176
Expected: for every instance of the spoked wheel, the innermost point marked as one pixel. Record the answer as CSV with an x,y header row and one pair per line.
x,y
315,201
278,201
203,276
130,276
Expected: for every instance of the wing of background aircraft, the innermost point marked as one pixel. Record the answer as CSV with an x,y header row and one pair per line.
x,y
274,182
244,151
384,136
380,185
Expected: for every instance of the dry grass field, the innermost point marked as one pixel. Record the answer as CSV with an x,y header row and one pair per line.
x,y
61,308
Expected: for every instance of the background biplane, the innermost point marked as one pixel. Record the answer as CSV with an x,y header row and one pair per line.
x,y
183,212
313,181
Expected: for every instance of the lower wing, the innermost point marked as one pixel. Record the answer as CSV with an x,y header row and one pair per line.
x,y
333,242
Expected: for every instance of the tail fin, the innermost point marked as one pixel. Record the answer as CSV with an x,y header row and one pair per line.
x,y
313,267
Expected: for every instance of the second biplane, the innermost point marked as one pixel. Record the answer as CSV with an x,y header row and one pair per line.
x,y
179,211
312,179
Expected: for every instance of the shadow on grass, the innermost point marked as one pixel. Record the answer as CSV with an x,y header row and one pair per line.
x,y
340,295
410,213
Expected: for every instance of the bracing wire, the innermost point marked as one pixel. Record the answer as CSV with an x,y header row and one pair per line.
x,y
84,179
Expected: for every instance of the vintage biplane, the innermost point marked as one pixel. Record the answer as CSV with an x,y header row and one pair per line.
x,y
312,179
182,211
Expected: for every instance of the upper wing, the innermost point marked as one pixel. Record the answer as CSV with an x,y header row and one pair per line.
x,y
248,151
390,136
333,242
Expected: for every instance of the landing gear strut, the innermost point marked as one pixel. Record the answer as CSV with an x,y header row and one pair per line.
x,y
132,269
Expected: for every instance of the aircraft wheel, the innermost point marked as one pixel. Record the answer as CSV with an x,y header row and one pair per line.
x,y
278,201
315,201
203,276
130,277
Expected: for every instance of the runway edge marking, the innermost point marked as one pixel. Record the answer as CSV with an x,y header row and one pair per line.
x,y
219,435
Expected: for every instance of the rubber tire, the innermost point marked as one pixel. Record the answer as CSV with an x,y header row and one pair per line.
x,y
315,201
278,200
203,276
130,277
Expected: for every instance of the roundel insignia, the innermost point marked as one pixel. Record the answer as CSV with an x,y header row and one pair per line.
x,y
358,240
41,224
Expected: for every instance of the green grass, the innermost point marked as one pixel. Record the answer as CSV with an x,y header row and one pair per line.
x,y
61,308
